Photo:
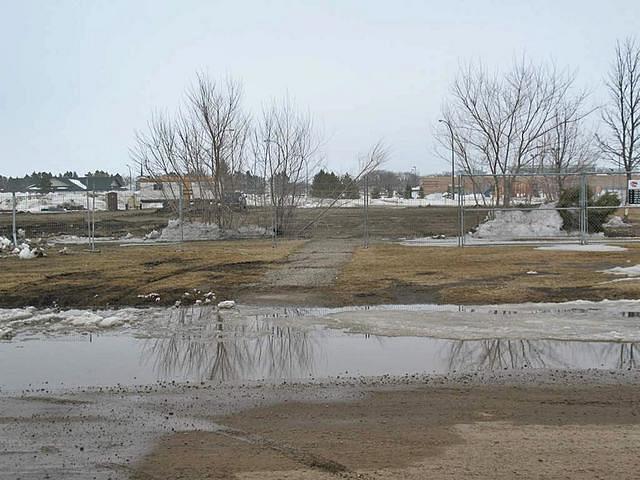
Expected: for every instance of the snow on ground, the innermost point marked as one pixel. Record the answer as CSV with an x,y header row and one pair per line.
x,y
30,319
541,222
38,202
616,222
633,271
597,247
578,320
432,199
140,321
205,231
25,250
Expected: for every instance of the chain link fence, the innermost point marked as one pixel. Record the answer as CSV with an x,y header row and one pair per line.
x,y
90,217
75,217
572,207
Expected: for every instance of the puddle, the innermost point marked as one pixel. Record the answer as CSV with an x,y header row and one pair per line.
x,y
201,345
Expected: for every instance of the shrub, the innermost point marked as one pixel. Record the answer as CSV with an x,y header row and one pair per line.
x,y
570,198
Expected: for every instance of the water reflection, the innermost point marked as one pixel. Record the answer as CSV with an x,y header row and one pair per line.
x,y
204,346
200,344
500,354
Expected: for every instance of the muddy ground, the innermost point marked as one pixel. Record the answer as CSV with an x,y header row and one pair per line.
x,y
419,432
535,424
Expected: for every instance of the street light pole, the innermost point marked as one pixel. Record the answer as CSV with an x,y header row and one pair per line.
x,y
130,178
453,166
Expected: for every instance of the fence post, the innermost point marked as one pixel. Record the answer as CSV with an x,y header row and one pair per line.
x,y
366,211
88,217
274,221
460,212
181,212
13,220
584,227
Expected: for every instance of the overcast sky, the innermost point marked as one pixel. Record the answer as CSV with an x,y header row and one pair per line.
x,y
77,78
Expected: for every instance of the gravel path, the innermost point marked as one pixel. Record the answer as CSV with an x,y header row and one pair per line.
x,y
317,264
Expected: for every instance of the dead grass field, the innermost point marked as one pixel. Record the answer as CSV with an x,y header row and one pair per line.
x,y
482,275
384,273
117,275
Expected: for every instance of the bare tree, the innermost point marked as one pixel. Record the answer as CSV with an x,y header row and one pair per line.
x,y
286,145
567,148
621,115
367,163
498,120
194,154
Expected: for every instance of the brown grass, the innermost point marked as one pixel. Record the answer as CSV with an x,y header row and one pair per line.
x,y
482,275
117,275
383,273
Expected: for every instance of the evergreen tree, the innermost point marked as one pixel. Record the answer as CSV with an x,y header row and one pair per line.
x,y
349,187
326,185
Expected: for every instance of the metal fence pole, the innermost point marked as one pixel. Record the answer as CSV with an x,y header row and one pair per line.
x,y
88,218
13,219
460,213
366,211
584,228
181,212
273,224
93,220
462,201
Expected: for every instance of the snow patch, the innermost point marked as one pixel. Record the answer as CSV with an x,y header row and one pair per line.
x,y
616,222
582,248
5,243
633,271
541,222
25,252
205,231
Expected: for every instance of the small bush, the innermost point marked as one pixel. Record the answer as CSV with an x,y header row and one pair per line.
x,y
570,198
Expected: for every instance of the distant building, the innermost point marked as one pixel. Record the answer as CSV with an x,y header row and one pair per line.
x,y
66,184
59,185
102,184
435,184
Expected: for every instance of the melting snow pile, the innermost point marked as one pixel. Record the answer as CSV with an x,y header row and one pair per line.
x,y
616,222
24,250
541,222
144,321
596,247
5,244
633,271
204,231
191,231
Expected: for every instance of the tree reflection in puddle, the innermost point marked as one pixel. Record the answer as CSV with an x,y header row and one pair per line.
x,y
200,343
501,354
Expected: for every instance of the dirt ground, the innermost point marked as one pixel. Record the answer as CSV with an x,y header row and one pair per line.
x,y
449,432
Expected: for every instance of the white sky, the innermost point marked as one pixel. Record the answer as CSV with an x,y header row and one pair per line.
x,y
77,78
